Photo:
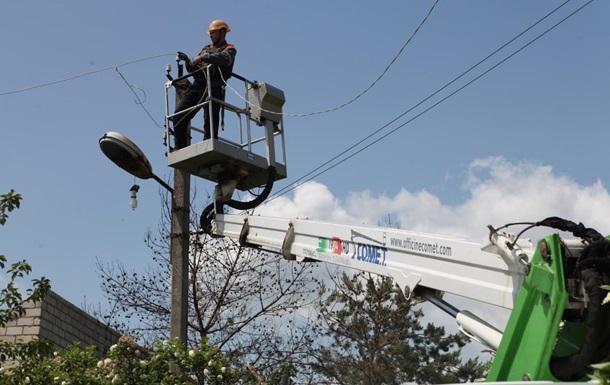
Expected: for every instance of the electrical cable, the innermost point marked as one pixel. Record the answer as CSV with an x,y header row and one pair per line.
x,y
138,101
287,189
82,75
360,94
116,68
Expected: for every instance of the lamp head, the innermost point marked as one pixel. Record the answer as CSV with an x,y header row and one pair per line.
x,y
125,154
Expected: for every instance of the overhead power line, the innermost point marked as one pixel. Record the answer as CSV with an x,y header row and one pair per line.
x,y
380,76
363,92
138,101
81,75
303,179
132,87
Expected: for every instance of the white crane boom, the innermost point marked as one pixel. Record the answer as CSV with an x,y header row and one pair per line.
x,y
412,259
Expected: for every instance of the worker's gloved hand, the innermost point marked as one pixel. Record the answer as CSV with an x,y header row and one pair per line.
x,y
183,56
190,66
196,60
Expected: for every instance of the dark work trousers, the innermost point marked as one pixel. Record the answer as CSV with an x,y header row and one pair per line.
x,y
195,94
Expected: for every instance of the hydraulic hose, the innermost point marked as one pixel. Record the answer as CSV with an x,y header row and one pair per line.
x,y
238,205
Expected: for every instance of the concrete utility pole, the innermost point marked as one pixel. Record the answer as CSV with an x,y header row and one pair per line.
x,y
179,244
179,255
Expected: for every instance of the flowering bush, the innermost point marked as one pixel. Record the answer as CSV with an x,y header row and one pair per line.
x,y
168,363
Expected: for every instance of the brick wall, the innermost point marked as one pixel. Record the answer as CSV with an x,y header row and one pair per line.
x,y
60,322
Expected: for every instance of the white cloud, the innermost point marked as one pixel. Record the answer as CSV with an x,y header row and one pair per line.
x,y
311,199
530,192
500,192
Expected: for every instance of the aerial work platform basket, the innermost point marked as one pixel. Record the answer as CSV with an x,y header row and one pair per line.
x,y
244,152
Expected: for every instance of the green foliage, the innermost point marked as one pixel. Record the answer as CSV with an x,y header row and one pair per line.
x,y
26,353
8,202
11,298
376,337
125,364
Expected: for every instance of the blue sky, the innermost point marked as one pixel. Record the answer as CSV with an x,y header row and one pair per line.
x,y
526,140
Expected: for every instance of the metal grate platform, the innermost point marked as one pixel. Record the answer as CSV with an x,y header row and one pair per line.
x,y
216,160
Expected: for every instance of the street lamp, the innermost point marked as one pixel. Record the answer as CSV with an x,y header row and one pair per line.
x,y
125,154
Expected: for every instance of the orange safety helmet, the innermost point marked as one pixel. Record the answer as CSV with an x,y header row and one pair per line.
x,y
218,24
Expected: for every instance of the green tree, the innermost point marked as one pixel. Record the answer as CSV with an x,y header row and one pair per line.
x,y
11,298
374,335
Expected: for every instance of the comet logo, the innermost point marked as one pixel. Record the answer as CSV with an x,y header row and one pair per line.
x,y
359,251
333,245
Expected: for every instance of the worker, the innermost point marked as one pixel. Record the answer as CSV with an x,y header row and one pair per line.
x,y
220,56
